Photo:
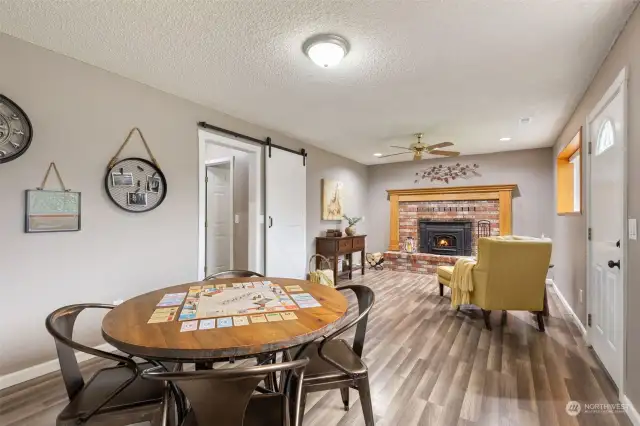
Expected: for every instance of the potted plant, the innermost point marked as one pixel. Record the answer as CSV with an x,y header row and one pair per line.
x,y
351,229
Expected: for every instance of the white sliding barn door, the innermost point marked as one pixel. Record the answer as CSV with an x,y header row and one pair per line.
x,y
286,214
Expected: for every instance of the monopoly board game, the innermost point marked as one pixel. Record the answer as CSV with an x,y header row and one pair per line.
x,y
212,301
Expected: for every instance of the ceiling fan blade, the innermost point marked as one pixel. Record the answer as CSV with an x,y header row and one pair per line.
x,y
439,145
391,155
445,153
417,156
401,147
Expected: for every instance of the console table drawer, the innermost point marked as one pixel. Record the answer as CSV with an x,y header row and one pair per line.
x,y
358,243
344,245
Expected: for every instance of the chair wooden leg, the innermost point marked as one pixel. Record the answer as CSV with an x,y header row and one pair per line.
x,y
365,401
345,398
503,321
540,317
441,289
487,318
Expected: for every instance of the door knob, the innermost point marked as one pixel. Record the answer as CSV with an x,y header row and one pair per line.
x,y
611,264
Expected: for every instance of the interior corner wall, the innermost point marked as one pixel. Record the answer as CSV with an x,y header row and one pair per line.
x,y
570,231
81,114
530,169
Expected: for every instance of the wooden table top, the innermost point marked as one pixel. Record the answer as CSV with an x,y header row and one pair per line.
x,y
126,328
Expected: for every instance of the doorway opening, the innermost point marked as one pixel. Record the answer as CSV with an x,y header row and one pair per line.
x,y
231,224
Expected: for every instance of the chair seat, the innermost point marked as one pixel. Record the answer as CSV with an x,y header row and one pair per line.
x,y
138,394
444,274
318,370
263,410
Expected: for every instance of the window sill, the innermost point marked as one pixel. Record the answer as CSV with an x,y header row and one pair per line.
x,y
569,213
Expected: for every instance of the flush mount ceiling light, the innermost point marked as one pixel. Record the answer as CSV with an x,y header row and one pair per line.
x,y
507,139
326,50
377,154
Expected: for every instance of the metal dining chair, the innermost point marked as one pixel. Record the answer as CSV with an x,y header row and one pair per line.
x,y
225,397
113,396
334,364
236,273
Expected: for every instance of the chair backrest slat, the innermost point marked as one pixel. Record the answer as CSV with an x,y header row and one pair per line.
x,y
221,397
236,273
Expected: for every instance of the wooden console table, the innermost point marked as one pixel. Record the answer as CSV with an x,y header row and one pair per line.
x,y
332,247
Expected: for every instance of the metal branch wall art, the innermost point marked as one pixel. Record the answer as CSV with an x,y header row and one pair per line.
x,y
447,174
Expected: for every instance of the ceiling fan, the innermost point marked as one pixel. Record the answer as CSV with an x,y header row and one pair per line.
x,y
419,148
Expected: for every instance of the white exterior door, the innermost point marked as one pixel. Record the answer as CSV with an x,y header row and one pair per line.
x,y
219,217
286,214
607,131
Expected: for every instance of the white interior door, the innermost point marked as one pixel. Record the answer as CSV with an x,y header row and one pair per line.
x,y
607,221
286,214
219,217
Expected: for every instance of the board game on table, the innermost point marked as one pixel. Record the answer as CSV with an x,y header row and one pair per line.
x,y
261,301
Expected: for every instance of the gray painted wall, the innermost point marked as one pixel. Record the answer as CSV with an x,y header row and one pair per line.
x,y
81,115
531,170
570,239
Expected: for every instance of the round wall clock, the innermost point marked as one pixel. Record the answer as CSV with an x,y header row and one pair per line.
x,y
15,130
136,185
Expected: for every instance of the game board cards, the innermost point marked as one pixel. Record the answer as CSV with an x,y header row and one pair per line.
x,y
208,288
305,300
187,315
249,285
240,321
207,324
288,316
258,318
172,299
221,286
189,326
293,288
225,322
163,315
194,291
273,317
238,285
267,282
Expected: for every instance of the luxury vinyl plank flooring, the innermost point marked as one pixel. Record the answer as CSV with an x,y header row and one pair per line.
x,y
428,365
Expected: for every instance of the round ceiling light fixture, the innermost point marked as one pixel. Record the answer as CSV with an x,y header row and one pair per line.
x,y
326,50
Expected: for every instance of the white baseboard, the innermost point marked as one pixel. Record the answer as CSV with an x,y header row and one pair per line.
x,y
567,307
631,411
29,373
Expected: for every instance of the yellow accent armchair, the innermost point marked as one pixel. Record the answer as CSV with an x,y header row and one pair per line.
x,y
510,275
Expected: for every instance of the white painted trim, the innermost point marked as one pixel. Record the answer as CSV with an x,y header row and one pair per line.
x,y
568,307
47,367
256,218
632,413
618,85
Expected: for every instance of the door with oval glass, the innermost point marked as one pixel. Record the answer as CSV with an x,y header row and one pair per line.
x,y
607,217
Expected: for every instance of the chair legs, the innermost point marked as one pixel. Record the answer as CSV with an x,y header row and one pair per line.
x,y
345,398
441,289
365,400
487,318
540,318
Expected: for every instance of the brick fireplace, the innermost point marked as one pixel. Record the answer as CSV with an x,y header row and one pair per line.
x,y
444,223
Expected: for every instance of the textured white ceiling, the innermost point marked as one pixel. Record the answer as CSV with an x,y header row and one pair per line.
x,y
459,70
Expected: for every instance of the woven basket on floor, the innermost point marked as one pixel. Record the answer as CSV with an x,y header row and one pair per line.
x,y
321,276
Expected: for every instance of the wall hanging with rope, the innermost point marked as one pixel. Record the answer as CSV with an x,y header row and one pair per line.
x,y
48,210
135,184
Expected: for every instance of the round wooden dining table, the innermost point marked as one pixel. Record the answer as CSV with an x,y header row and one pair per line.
x,y
125,327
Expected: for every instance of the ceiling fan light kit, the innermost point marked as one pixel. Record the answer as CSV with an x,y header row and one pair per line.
x,y
418,149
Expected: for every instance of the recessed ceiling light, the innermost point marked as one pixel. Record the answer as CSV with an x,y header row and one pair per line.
x,y
525,120
377,154
505,139
326,50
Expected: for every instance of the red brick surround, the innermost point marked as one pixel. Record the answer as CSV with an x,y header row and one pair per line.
x,y
410,212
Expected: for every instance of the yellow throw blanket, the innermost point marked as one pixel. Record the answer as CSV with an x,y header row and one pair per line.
x,y
462,282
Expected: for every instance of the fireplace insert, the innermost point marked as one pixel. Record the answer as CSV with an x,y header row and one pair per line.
x,y
452,238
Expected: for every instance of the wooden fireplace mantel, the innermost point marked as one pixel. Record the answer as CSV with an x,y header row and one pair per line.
x,y
502,193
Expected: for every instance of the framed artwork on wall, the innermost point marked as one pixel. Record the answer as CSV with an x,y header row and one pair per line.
x,y
52,211
332,199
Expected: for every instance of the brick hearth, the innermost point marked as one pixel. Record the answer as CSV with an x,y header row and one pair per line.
x,y
421,263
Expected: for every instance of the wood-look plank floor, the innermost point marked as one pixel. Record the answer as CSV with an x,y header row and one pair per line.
x,y
428,365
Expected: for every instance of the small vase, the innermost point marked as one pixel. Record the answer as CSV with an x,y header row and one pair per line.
x,y
350,230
